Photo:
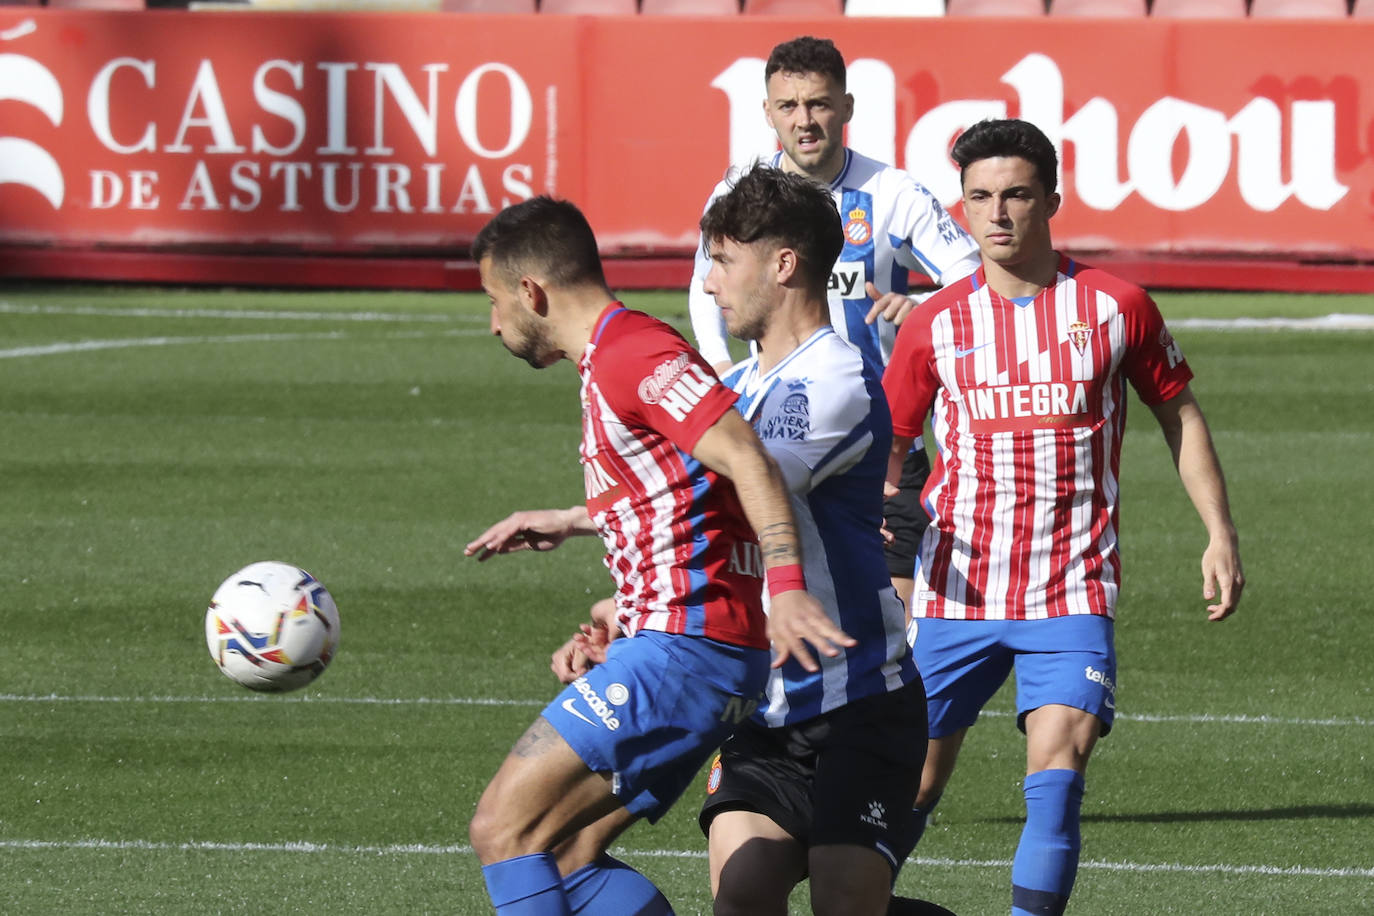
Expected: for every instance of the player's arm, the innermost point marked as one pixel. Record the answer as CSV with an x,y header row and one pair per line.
x,y
539,529
1185,430
731,449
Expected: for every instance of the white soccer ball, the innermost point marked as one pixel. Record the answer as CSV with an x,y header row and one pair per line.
x,y
272,626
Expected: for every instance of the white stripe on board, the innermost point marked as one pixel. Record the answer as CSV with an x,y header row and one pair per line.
x,y
20,308
421,849
1198,718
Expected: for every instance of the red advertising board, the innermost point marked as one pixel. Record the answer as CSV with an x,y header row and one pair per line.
x,y
403,133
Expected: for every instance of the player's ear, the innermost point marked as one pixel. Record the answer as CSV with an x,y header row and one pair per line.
x,y
1052,202
533,296
786,265
848,106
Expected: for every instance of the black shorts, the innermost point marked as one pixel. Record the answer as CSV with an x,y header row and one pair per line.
x,y
905,517
848,776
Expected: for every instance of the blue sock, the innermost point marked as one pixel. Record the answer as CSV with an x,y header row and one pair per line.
x,y
609,887
916,828
526,886
1046,862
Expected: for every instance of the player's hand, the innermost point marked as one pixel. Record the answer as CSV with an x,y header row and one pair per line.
x,y
796,619
893,307
588,646
1222,576
540,529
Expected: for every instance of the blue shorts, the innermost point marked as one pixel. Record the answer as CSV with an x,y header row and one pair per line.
x,y
655,710
1069,661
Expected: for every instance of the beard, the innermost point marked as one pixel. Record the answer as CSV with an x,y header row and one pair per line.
x,y
531,341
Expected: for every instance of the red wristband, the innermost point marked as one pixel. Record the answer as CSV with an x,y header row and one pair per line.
x,y
785,579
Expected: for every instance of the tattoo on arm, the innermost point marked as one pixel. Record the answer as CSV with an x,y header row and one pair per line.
x,y
778,541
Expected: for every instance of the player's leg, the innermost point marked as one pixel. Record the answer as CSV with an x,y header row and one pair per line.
x,y
542,793
755,816
906,520
1066,702
868,769
598,884
754,864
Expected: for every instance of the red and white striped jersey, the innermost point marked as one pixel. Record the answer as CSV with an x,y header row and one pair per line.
x,y
683,556
1027,406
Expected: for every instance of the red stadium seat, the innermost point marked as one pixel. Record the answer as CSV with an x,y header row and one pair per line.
x,y
1199,9
798,8
1114,9
589,7
689,8
1299,9
995,8
487,6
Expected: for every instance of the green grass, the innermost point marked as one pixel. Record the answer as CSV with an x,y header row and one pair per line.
x,y
136,779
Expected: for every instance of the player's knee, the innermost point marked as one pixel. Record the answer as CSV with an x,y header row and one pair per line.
x,y
743,899
495,836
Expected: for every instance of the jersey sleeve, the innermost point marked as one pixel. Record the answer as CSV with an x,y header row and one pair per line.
x,y
708,327
909,381
1154,363
652,377
926,238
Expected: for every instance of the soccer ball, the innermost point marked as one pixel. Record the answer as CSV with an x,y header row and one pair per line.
x,y
272,626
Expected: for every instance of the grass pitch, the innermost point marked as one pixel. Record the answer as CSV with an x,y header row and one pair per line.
x,y
154,441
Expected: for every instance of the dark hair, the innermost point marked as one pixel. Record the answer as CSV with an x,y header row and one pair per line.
x,y
768,204
541,235
807,55
1008,138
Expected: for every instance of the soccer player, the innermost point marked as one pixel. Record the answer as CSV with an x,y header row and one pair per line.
x,y
1022,368
891,224
672,473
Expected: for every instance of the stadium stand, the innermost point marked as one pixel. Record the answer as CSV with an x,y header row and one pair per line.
x,y
798,8
1298,9
1013,8
589,7
1113,9
689,7
1199,9
894,8
1362,9
487,6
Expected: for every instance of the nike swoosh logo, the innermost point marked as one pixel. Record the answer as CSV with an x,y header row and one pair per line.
x,y
1110,704
568,706
960,352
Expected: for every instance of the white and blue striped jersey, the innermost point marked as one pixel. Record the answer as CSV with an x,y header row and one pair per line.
x,y
822,415
892,224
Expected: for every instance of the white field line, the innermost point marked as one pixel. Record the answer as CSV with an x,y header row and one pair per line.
x,y
411,849
20,308
122,343
1334,322
1201,718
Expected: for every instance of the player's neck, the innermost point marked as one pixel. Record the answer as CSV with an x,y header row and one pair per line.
x,y
1026,278
573,317
825,172
791,325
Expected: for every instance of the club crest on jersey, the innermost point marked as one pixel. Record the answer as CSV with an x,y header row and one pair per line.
x,y
713,780
858,230
1079,332
793,419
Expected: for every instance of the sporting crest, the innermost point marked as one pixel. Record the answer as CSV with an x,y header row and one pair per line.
x,y
858,230
1079,332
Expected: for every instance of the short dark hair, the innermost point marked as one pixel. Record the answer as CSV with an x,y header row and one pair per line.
x,y
807,55
1009,138
766,204
541,235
